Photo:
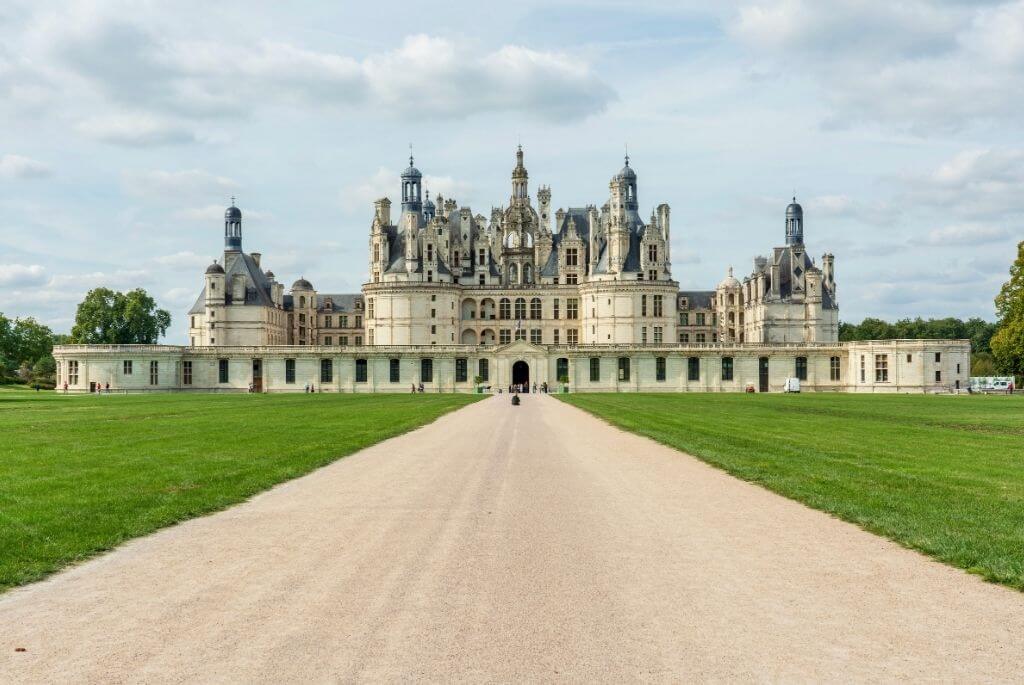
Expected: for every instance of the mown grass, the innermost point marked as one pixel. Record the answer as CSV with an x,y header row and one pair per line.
x,y
79,475
943,475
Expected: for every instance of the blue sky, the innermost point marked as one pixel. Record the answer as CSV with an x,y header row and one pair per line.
x,y
126,127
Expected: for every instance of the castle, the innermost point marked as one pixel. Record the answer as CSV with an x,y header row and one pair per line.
x,y
527,295
440,274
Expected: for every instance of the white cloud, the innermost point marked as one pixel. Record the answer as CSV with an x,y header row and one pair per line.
x,y
179,187
127,64
21,275
183,261
135,130
916,66
967,234
15,166
975,183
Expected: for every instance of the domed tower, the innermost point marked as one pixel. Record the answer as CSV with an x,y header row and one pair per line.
x,y
232,228
794,223
429,210
412,180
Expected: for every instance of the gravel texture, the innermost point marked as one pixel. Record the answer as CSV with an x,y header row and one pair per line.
x,y
500,543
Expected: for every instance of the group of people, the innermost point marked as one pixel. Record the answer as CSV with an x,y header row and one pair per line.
x,y
416,388
525,387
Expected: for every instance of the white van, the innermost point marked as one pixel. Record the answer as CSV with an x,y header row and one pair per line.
x,y
792,385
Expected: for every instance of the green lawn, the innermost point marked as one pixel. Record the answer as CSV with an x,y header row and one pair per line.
x,y
940,474
79,475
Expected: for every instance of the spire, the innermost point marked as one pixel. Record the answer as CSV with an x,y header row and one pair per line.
x,y
232,228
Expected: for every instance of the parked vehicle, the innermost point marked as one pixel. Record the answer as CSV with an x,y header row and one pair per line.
x,y
792,385
1003,384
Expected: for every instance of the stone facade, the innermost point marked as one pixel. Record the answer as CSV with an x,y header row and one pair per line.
x,y
528,294
876,366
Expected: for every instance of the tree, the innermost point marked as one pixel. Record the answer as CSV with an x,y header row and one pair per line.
x,y
23,344
1008,341
1010,300
114,318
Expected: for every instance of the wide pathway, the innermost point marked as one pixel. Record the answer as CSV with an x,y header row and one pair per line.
x,y
509,544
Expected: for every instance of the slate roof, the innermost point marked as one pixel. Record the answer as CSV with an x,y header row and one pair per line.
x,y
699,299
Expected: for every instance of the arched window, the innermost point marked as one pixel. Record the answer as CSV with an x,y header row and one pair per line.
x,y
513,274
535,308
302,302
527,274
732,299
520,308
505,309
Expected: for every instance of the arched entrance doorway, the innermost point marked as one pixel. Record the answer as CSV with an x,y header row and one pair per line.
x,y
521,374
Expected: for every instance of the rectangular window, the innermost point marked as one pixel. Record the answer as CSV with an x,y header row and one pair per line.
x,y
359,321
571,279
693,368
910,358
572,336
326,370
862,375
643,305
572,308
571,256
535,336
426,371
658,335
556,332
684,318
700,319
684,338
433,329
127,367
343,340
659,368
520,334
652,253
328,340
394,370
72,372
222,370
369,308
481,257
623,368
938,357
484,370
186,372
328,321
461,370
361,371
702,337
430,252
430,277
154,373
658,305
938,376
555,315
359,340
343,321
881,368
643,335
726,368
801,368
595,369
652,275
289,370
504,336
835,369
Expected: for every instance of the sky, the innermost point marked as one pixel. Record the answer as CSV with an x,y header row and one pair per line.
x,y
125,129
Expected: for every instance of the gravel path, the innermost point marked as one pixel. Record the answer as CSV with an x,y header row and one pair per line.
x,y
508,544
